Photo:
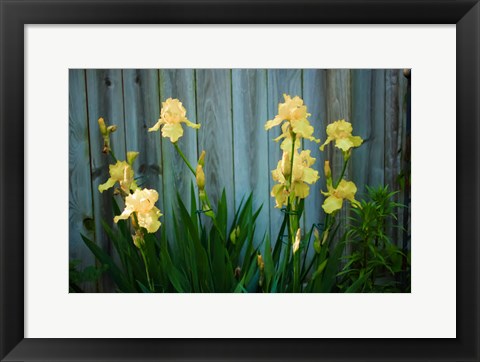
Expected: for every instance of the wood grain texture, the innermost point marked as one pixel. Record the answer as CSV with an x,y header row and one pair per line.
x,y
279,82
142,109
315,98
339,107
105,99
392,129
251,142
368,112
80,190
178,83
214,112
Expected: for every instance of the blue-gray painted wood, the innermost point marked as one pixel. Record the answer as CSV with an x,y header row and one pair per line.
x,y
180,84
142,109
80,187
214,112
314,96
251,142
105,99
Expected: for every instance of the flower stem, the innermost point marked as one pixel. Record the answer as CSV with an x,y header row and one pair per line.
x,y
345,162
184,159
150,284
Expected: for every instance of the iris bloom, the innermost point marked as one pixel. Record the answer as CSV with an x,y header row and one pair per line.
x,y
122,173
294,112
345,190
172,115
142,203
302,175
341,133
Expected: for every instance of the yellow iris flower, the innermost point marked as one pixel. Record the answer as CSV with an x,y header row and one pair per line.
x,y
345,190
172,115
302,175
142,203
294,112
122,173
341,132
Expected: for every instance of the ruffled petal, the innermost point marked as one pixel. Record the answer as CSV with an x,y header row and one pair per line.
x,y
310,175
301,189
327,141
191,124
172,131
149,220
110,183
274,122
156,127
332,204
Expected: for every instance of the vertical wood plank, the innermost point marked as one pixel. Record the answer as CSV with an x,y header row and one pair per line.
x,y
80,191
142,109
402,141
392,126
368,112
314,96
214,112
280,81
180,84
362,118
339,107
251,141
105,99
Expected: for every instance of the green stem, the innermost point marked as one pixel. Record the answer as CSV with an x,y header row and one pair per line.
x,y
113,155
150,284
184,159
345,162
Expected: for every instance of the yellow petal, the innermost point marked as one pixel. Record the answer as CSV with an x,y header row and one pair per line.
x,y
301,189
149,220
302,128
356,140
332,204
172,131
110,182
346,190
344,144
310,175
190,124
327,141
124,215
280,195
272,123
156,127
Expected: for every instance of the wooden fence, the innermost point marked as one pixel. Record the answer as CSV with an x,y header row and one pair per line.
x,y
232,107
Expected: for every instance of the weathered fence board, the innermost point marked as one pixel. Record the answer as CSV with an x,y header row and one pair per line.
x,y
214,112
280,81
80,188
178,83
392,123
142,109
105,99
251,141
314,96
232,107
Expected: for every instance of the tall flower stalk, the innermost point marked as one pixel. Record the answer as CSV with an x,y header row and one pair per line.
x,y
172,115
139,203
293,172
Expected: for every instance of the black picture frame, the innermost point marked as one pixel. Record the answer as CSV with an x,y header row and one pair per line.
x,y
16,14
